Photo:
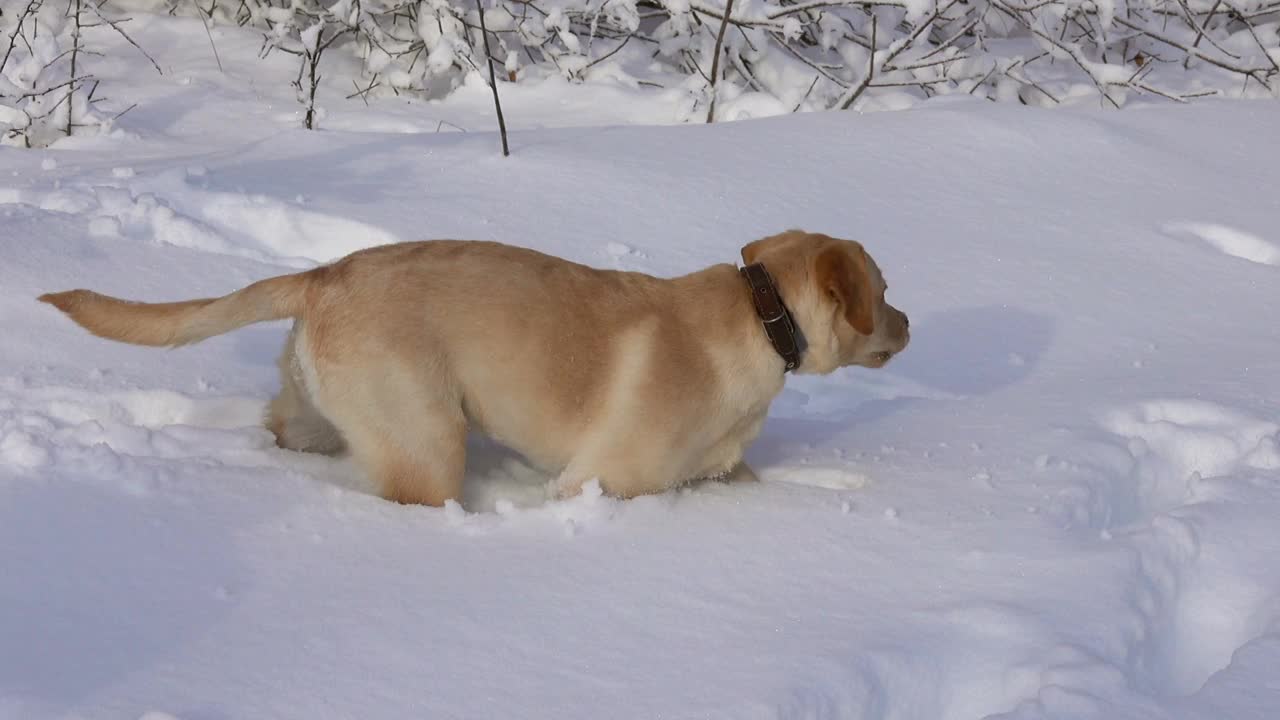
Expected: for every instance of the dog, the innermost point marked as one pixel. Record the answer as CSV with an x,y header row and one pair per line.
x,y
637,382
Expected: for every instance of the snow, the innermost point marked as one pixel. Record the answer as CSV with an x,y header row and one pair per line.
x,y
1231,241
1059,502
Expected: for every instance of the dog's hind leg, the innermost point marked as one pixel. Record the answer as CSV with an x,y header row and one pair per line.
x,y
406,429
292,417
417,460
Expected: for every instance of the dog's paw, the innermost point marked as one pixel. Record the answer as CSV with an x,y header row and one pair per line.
x,y
566,486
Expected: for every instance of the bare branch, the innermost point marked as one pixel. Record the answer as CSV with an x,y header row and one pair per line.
x,y
209,34
116,26
896,49
612,52
812,85
1069,49
31,7
1201,34
956,36
52,88
493,83
75,51
1251,72
1009,72
715,61
852,94
1254,34
796,54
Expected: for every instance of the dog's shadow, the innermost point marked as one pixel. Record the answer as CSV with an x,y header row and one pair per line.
x,y
976,351
954,356
497,473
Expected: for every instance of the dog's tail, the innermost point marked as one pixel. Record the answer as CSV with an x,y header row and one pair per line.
x,y
181,323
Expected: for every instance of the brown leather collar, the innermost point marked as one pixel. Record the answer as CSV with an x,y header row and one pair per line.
x,y
774,315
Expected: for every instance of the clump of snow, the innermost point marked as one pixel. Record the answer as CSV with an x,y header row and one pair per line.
x,y
1231,241
618,249
19,448
104,227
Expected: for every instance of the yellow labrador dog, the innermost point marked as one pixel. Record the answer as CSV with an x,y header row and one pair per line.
x,y
638,382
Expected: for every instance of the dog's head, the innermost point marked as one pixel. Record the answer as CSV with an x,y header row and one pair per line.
x,y
836,293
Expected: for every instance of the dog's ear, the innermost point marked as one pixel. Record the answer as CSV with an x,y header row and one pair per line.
x,y
841,273
752,252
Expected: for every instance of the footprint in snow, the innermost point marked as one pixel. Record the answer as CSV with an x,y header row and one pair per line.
x,y
1176,442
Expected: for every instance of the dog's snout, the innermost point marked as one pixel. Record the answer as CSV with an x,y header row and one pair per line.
x,y
902,324
903,336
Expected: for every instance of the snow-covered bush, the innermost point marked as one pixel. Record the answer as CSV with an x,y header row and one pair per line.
x,y
772,56
44,90
782,55
46,87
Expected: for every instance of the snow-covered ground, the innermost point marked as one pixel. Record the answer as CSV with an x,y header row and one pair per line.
x,y
1060,502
